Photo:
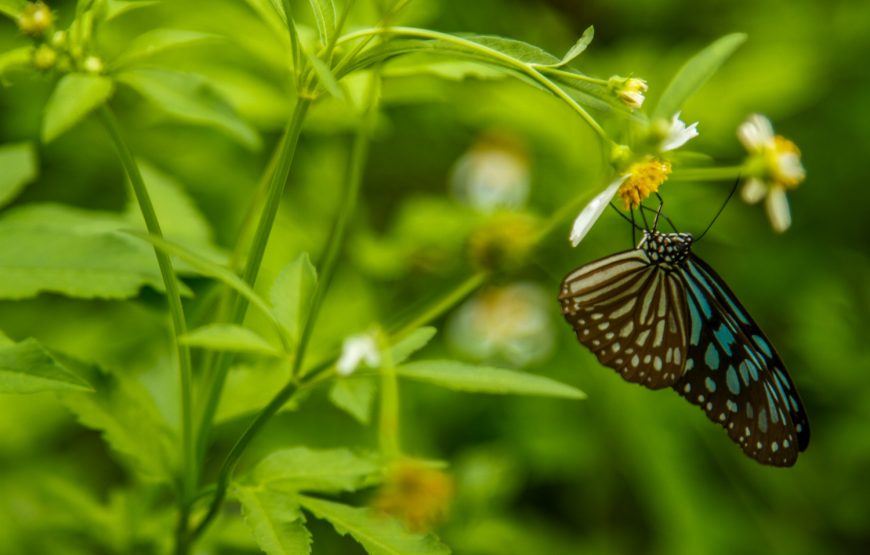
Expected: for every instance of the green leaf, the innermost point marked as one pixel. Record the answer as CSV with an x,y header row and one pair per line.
x,y
414,341
116,8
180,218
75,96
275,521
324,16
212,269
19,167
323,470
325,76
78,253
518,50
123,411
355,396
157,41
578,48
16,58
191,99
695,73
485,379
292,293
378,533
12,8
27,367
229,337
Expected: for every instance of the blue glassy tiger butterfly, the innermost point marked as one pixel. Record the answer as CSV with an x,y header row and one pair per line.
x,y
661,317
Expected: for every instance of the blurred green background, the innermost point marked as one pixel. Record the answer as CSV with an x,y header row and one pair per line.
x,y
625,471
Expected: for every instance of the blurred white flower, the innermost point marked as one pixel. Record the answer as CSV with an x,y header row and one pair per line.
x,y
774,166
355,350
492,174
678,134
507,323
592,211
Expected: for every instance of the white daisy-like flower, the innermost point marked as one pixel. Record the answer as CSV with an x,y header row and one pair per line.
x,y
356,350
493,174
592,211
775,165
678,134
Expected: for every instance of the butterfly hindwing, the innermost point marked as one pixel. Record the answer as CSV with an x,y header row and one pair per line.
x,y
631,315
735,376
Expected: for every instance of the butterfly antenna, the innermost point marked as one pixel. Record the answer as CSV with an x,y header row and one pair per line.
x,y
721,209
629,220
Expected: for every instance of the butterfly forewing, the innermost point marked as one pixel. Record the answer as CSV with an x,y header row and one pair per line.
x,y
735,375
631,315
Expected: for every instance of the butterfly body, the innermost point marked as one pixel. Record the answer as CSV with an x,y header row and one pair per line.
x,y
661,317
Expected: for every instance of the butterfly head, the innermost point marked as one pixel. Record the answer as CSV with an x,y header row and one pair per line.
x,y
668,249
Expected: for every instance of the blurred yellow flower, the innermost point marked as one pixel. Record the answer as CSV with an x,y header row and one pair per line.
x,y
415,493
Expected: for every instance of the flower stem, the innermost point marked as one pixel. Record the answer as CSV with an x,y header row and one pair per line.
x,y
388,429
255,259
173,296
708,174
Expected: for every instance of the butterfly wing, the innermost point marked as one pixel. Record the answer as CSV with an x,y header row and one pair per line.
x,y
735,375
631,314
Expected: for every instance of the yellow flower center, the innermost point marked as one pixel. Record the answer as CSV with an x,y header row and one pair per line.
x,y
644,179
783,161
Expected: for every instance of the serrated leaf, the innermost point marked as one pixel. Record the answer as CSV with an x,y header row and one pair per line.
x,y
579,47
292,293
275,521
379,534
355,396
74,252
324,16
695,73
12,8
485,379
323,470
414,341
123,411
158,41
75,96
27,367
229,337
18,163
191,99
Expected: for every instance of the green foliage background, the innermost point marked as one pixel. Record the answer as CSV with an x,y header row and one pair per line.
x,y
626,470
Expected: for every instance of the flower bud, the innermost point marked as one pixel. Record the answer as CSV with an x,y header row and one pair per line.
x,y
35,20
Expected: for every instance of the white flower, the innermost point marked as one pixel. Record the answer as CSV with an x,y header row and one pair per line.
x,y
592,211
678,134
776,167
355,350
492,174
509,323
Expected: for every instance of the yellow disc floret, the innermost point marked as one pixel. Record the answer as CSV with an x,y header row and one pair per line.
x,y
644,179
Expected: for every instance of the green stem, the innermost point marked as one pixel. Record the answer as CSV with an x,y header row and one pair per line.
x,y
255,259
506,60
708,174
176,310
388,430
568,75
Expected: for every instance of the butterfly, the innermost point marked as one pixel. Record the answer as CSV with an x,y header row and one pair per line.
x,y
661,317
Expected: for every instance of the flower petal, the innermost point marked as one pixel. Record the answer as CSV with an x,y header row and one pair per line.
x,y
355,350
592,211
755,133
754,190
777,209
678,134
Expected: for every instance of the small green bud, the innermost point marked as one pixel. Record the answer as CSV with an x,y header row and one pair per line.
x,y
36,20
93,64
619,156
44,57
